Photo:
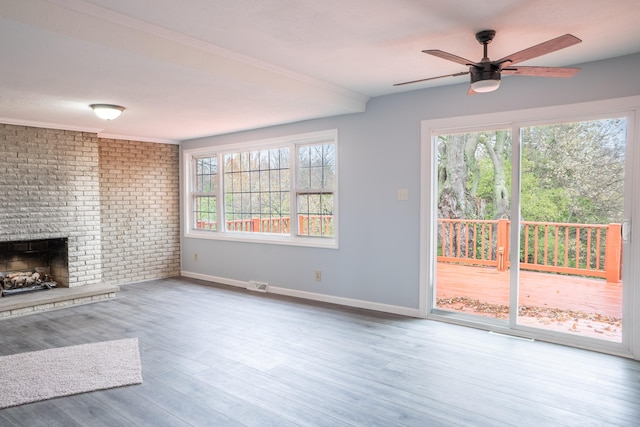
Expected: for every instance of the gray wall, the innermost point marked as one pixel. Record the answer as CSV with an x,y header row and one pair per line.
x,y
379,152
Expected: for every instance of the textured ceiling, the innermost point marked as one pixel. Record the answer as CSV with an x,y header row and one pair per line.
x,y
203,67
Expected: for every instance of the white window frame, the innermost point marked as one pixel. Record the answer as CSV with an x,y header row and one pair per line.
x,y
195,194
293,141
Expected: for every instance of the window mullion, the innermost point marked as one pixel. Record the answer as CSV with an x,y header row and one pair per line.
x,y
315,191
293,184
220,196
193,186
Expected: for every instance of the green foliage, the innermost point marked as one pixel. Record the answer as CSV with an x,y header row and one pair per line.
x,y
539,203
571,172
576,171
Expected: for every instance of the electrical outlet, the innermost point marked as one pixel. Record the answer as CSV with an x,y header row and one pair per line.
x,y
195,256
318,275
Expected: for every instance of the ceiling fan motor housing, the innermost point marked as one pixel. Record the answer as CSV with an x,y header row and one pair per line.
x,y
484,71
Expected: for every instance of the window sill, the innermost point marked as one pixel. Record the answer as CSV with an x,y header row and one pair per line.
x,y
311,242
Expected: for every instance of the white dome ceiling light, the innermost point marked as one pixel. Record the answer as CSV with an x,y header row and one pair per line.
x,y
107,111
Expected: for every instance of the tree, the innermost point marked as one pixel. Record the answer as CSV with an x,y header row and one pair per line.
x,y
570,172
579,167
499,152
452,176
469,165
464,162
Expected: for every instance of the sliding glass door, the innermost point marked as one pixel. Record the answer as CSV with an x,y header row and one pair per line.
x,y
474,192
572,210
528,225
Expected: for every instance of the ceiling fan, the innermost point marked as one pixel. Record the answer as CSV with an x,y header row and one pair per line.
x,y
485,75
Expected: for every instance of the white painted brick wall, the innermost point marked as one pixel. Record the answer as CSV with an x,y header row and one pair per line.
x,y
51,189
140,210
116,201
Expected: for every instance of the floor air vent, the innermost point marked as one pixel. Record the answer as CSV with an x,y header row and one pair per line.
x,y
257,286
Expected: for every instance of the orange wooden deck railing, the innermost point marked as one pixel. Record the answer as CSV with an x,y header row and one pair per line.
x,y
592,250
312,225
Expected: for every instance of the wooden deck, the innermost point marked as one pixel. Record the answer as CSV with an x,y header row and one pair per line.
x,y
546,290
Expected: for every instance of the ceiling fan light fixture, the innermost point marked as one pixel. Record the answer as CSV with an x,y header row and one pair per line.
x,y
485,75
107,111
484,86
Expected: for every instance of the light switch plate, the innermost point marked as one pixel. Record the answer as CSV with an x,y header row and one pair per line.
x,y
403,194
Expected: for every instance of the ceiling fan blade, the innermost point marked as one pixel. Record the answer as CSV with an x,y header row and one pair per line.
x,y
432,78
448,56
541,71
541,49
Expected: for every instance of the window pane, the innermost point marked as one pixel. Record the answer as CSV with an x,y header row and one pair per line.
x,y
255,202
316,177
284,179
274,159
286,203
304,157
315,215
326,204
316,153
245,203
303,204
329,176
266,205
265,181
315,182
244,162
254,180
232,162
304,178
243,181
284,158
264,160
316,167
205,213
253,191
206,175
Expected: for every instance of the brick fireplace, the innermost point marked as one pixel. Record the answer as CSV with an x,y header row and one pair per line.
x,y
49,192
52,191
116,202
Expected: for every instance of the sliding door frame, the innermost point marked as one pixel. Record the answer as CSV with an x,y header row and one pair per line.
x,y
514,120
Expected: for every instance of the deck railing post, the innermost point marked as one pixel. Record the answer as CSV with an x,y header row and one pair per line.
x,y
301,228
502,244
613,253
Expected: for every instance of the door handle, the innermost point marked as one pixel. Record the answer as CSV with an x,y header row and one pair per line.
x,y
626,230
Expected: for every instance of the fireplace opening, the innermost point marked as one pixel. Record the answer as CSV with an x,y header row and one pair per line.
x,y
32,265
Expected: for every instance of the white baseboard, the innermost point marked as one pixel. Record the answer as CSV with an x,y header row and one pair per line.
x,y
215,279
313,296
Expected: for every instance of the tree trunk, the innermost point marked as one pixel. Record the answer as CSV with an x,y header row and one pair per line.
x,y
452,201
500,190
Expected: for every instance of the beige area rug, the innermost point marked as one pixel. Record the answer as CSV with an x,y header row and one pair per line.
x,y
45,374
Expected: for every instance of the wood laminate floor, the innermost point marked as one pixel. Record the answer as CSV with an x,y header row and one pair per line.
x,y
220,356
